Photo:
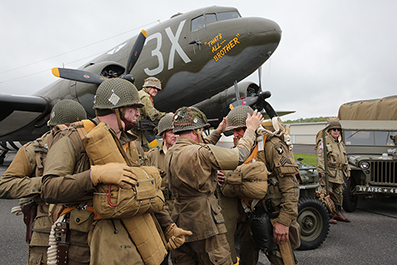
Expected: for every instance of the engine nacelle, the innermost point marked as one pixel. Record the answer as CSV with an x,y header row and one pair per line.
x,y
218,106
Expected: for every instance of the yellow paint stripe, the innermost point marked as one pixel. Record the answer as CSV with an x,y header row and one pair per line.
x,y
55,71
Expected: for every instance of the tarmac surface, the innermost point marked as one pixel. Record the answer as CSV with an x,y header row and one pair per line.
x,y
370,238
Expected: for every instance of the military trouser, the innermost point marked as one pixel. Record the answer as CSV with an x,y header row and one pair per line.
x,y
211,251
335,192
248,254
237,225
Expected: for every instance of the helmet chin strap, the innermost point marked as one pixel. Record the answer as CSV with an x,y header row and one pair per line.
x,y
199,133
121,117
117,111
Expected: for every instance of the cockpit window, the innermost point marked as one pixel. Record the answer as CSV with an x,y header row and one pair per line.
x,y
198,23
227,15
210,18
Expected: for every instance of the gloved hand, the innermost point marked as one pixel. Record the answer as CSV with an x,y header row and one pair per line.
x,y
175,236
114,173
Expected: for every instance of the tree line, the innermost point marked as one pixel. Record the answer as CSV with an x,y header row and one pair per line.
x,y
302,120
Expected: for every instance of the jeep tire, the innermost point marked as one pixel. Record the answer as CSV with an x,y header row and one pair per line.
x,y
313,219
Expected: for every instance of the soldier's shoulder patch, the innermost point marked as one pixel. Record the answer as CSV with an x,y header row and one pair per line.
x,y
279,150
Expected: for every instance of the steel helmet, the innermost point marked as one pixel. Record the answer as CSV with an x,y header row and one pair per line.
x,y
115,93
189,118
152,82
237,117
66,111
165,124
334,124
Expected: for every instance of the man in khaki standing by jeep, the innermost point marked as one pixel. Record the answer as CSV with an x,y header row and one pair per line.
x,y
192,169
337,167
69,179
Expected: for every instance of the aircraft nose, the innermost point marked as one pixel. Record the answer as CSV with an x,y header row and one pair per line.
x,y
263,31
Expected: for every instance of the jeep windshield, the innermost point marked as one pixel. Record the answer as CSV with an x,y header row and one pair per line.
x,y
364,137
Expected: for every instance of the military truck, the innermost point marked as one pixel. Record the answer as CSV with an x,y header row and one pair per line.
x,y
369,133
313,216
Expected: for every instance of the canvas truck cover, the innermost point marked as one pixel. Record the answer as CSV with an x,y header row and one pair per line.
x,y
373,109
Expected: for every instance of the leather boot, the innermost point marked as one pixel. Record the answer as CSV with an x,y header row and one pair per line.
x,y
333,221
340,217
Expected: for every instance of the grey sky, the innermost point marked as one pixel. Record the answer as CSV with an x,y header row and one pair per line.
x,y
331,52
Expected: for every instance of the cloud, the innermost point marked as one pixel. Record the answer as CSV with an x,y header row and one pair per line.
x,y
331,52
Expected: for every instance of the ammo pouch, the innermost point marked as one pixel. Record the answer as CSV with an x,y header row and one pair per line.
x,y
246,181
81,220
111,201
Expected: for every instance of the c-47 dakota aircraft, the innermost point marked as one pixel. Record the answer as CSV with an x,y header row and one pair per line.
x,y
197,56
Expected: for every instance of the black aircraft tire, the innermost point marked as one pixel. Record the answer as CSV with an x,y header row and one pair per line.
x,y
313,219
349,200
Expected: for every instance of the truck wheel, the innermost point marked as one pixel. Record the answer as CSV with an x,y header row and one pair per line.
x,y
313,219
349,199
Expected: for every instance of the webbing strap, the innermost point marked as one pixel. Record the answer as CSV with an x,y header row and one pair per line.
x,y
97,216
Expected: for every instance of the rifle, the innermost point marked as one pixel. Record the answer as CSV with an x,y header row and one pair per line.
x,y
146,125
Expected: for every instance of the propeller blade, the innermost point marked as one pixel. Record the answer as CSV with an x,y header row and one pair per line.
x,y
78,75
151,140
269,109
136,51
238,99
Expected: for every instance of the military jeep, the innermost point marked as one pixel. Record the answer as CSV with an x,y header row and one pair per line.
x,y
372,155
313,216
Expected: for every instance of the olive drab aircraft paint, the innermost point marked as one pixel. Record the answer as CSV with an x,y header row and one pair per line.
x,y
196,55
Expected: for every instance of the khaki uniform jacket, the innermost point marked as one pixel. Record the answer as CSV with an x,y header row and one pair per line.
x,y
282,167
156,158
67,172
67,181
192,170
148,111
337,159
22,179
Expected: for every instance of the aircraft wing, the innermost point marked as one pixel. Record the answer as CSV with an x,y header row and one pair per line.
x,y
280,113
22,117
